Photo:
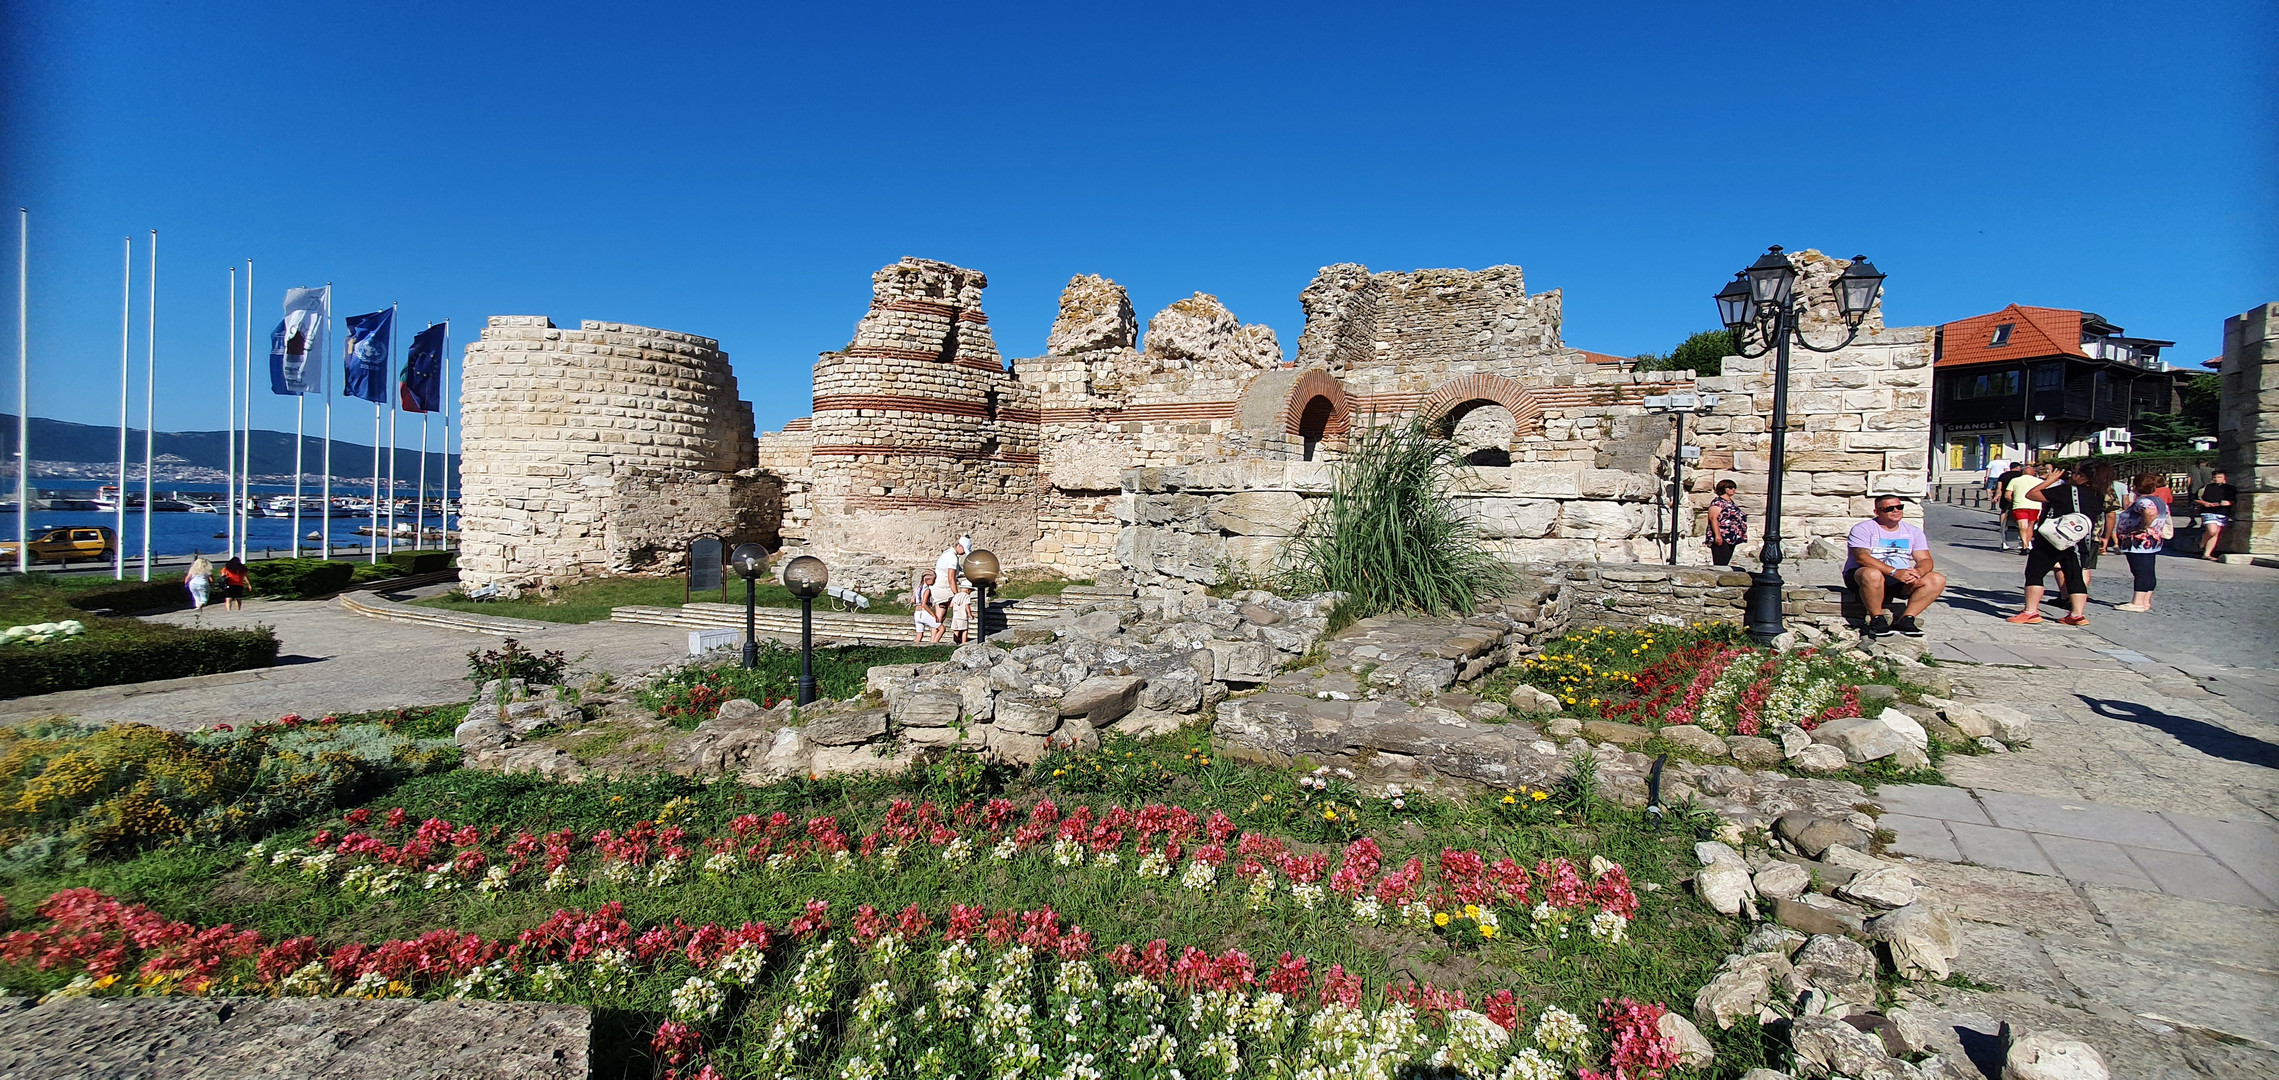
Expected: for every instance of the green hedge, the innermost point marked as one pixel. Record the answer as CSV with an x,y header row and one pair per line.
x,y
158,594
109,660
298,577
420,562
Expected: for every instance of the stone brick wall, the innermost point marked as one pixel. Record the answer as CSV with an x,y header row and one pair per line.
x,y
555,421
2247,429
651,515
1411,321
1859,425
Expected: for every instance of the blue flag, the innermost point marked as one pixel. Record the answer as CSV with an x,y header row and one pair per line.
x,y
299,337
421,388
370,345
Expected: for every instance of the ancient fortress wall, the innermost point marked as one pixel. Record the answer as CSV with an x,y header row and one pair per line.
x,y
919,434
598,450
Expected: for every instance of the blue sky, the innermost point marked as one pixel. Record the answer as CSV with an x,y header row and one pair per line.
x,y
740,173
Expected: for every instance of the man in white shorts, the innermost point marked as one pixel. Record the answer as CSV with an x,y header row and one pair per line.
x,y
952,558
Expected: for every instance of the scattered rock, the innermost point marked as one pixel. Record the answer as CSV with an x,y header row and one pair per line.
x,y
1793,739
1815,914
1693,1050
1695,738
1773,937
1029,713
1837,966
1820,758
1938,728
481,733
1922,940
1875,696
1966,719
1725,886
1782,881
927,708
1145,723
1530,700
2052,1055
1101,699
1766,1074
1906,726
1815,835
1831,1047
1742,988
1563,728
1487,710
1615,732
2007,724
1712,852
846,729
736,709
1755,751
1861,738
1992,745
1911,759
1096,625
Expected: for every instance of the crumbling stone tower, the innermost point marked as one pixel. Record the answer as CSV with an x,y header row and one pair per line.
x,y
604,449
919,433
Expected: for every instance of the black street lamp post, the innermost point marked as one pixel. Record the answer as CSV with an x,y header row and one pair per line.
x,y
805,576
1762,298
750,561
980,567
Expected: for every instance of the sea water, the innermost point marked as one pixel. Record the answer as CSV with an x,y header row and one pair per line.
x,y
176,532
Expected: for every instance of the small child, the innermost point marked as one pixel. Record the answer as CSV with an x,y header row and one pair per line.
x,y
961,611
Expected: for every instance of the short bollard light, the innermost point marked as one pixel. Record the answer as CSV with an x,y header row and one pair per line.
x,y
750,561
981,568
805,576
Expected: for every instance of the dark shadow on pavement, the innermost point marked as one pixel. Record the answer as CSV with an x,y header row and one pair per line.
x,y
1999,602
2200,735
292,659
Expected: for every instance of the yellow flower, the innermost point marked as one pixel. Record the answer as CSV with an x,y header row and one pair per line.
x,y
1266,798
1206,761
1487,931
1539,796
1439,918
1510,799
1060,772
1472,912
1329,815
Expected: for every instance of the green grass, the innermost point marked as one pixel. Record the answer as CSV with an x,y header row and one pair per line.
x,y
591,601
1390,534
691,695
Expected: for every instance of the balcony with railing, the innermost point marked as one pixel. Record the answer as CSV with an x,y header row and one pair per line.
x,y
2122,351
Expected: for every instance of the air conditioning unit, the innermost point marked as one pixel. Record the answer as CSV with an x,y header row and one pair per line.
x,y
2113,440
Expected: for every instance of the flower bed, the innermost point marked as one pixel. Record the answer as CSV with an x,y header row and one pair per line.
x,y
1707,675
965,991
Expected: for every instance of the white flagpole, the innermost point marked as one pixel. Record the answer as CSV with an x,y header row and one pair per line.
x,y
229,485
391,454
324,353
245,475
419,505
443,392
149,402
126,330
24,391
300,410
372,542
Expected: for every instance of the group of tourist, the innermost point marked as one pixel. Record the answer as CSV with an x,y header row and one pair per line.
x,y
2066,517
199,580
943,601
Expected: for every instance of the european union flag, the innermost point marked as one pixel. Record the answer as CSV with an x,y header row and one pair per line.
x,y
421,388
370,345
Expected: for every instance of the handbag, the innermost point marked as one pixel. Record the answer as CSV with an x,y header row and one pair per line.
x,y
2067,530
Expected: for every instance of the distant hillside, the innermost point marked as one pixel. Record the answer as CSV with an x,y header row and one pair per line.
x,y
58,440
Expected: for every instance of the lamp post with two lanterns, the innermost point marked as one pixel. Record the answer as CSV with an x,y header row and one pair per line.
x,y
1762,299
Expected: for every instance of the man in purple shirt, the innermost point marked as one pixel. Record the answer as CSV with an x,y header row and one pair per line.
x,y
1888,555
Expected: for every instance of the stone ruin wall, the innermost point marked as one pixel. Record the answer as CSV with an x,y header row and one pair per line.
x,y
603,449
2247,429
918,435
1587,464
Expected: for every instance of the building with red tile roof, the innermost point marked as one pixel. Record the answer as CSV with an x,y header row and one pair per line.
x,y
2024,381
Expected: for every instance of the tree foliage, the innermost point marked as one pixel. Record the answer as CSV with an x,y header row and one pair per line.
x,y
1703,353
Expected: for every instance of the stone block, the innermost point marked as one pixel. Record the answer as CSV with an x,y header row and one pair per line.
x,y
1028,713
1259,513
1102,699
926,708
1584,519
1505,518
846,729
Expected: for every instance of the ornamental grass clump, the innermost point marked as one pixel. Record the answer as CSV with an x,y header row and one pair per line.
x,y
1390,534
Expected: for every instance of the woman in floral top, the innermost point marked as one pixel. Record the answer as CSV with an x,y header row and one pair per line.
x,y
2139,529
1728,526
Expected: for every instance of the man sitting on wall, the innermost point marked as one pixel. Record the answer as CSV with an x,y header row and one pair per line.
x,y
1891,557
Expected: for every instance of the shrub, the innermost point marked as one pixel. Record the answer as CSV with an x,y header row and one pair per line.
x,y
419,562
694,694
71,792
157,594
298,577
512,661
1390,534
108,657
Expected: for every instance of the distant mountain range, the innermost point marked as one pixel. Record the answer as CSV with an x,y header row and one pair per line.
x,y
62,448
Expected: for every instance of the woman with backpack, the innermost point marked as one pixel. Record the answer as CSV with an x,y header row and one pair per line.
x,y
2142,529
1728,526
2060,515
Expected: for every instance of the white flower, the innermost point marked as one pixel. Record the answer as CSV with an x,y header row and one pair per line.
x,y
698,999
1416,913
722,863
561,878
741,965
777,861
1609,928
371,985
494,879
1261,890
890,858
1308,893
618,871
257,852
283,857
312,979
1004,850
440,881
476,982
841,861
1528,1064
1367,910
1067,852
612,971
1475,1043
1107,860
549,979
958,852
1154,865
1562,1032
667,871
1198,875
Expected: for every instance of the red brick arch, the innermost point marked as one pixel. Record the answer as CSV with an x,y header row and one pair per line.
x,y
1313,384
1520,400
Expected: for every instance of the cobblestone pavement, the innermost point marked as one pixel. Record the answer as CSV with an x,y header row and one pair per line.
x,y
333,661
2119,878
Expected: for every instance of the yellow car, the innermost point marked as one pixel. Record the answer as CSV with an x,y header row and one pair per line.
x,y
67,543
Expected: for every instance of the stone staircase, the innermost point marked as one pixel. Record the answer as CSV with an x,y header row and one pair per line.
x,y
858,627
372,605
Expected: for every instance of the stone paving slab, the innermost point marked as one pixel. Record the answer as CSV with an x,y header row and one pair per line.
x,y
2095,861
1922,837
2200,930
2006,849
2087,821
2250,849
2237,1003
1931,801
2198,876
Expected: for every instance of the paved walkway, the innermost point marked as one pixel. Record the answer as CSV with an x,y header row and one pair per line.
x,y
334,661
2120,877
